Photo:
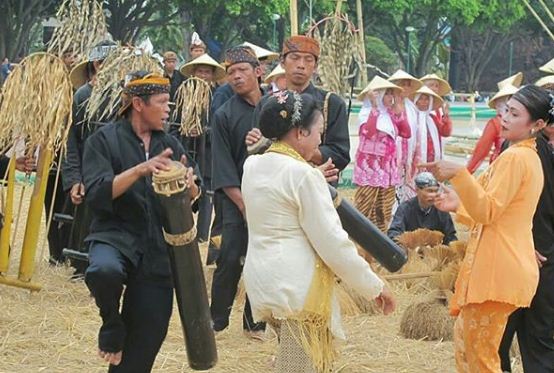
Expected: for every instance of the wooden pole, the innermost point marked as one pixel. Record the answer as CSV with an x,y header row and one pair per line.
x,y
32,228
361,37
8,217
409,276
293,17
539,19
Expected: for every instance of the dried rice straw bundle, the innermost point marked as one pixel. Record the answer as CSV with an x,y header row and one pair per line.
x,y
446,278
352,303
428,320
420,238
441,254
36,104
105,98
459,247
193,104
339,47
83,25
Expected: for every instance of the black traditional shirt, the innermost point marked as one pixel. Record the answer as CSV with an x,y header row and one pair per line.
x,y
543,221
132,222
231,124
78,133
410,216
335,142
175,81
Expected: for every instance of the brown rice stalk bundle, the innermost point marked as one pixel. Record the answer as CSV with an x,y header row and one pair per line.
x,y
105,98
36,104
415,264
193,104
459,247
441,255
83,25
445,279
419,239
339,47
353,304
428,319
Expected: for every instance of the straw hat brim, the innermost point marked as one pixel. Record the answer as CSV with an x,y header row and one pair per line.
x,y
188,68
277,71
377,84
444,86
262,53
545,80
504,92
437,100
78,75
514,80
418,84
548,67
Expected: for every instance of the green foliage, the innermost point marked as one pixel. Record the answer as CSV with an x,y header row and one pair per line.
x,y
380,55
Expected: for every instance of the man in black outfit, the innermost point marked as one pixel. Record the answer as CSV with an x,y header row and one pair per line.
x,y
420,212
231,123
126,242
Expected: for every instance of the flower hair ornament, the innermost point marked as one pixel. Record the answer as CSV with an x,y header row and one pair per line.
x,y
282,98
296,108
551,111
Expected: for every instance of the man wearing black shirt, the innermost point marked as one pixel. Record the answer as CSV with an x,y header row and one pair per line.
x,y
231,123
419,212
172,73
299,59
127,246
82,77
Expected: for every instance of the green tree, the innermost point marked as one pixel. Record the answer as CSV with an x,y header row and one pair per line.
x,y
477,43
380,55
432,20
18,19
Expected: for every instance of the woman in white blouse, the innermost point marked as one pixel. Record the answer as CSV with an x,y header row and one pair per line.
x,y
296,241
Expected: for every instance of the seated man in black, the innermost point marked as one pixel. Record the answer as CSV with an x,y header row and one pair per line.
x,y
420,212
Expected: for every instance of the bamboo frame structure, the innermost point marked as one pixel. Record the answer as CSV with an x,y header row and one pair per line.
x,y
8,214
35,105
539,19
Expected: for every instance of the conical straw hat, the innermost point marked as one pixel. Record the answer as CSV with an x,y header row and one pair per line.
x,y
514,80
545,80
262,53
548,67
505,91
205,59
78,75
278,70
402,75
378,83
444,86
437,100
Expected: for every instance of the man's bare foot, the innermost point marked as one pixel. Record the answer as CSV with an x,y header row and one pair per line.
x,y
113,358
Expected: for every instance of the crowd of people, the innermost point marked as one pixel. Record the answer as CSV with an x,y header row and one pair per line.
x,y
258,171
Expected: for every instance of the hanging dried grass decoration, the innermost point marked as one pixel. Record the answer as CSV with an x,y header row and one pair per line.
x,y
105,98
83,25
339,47
192,101
35,104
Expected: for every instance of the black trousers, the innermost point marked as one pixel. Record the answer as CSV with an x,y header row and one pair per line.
x,y
535,329
229,269
205,205
140,328
79,229
58,236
